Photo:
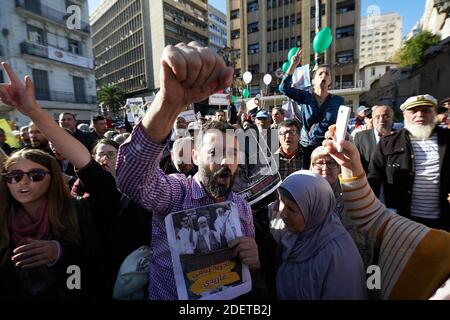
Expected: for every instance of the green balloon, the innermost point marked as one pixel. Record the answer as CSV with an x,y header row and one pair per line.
x,y
285,66
322,40
292,53
245,93
233,99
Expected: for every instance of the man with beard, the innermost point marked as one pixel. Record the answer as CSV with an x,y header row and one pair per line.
x,y
412,165
207,240
189,73
38,140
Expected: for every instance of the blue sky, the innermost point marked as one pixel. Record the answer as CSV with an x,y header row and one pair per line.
x,y
410,10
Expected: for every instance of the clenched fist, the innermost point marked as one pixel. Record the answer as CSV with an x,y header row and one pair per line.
x,y
190,73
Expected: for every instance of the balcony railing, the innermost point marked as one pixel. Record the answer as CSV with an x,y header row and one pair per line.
x,y
57,16
55,54
47,95
34,49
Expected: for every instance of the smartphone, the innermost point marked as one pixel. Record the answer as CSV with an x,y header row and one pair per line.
x,y
341,125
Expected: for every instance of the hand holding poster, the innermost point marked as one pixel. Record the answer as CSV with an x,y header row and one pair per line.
x,y
203,264
301,78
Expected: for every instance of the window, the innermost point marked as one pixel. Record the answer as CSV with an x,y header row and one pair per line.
x,y
79,90
292,20
274,25
292,42
254,69
373,72
275,46
269,47
286,43
235,14
387,68
344,7
269,67
252,6
35,35
271,4
280,23
348,31
269,25
275,66
280,45
40,80
322,10
253,48
286,21
344,56
235,34
252,27
75,47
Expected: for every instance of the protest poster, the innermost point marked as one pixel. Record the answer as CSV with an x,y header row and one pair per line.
x,y
219,99
203,264
301,78
10,138
135,109
257,176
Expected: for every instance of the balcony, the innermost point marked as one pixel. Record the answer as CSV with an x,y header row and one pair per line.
x,y
59,96
60,17
55,54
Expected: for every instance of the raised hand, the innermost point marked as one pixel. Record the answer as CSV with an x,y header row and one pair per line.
x,y
18,94
297,58
190,73
35,254
349,159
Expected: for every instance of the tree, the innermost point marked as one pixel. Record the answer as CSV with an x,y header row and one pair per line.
x,y
413,51
111,97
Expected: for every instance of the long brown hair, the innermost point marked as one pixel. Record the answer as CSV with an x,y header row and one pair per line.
x,y
61,206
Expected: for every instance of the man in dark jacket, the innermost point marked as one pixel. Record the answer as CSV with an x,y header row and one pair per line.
x,y
366,140
412,164
67,120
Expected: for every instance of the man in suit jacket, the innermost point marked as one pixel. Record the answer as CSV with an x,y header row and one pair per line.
x,y
366,141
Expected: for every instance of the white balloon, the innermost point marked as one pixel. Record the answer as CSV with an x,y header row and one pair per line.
x,y
267,79
247,77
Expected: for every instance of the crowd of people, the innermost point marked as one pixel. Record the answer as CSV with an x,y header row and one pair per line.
x,y
74,196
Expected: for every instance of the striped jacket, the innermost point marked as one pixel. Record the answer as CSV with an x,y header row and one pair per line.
x,y
414,259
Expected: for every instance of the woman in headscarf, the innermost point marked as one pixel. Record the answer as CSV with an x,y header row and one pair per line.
x,y
323,164
319,258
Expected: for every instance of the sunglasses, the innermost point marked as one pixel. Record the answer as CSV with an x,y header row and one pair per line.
x,y
35,175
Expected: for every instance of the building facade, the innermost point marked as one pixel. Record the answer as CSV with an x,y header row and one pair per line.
x,y
262,32
436,18
50,40
375,70
129,37
381,37
217,21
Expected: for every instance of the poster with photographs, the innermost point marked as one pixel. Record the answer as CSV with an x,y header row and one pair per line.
x,y
135,109
203,264
258,177
301,78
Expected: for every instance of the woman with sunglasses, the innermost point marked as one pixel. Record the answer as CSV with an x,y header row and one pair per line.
x,y
121,225
43,231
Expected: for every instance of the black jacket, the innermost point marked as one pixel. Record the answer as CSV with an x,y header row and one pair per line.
x,y
82,254
392,165
366,142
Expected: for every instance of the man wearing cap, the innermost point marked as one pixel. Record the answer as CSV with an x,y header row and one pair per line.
x,y
412,164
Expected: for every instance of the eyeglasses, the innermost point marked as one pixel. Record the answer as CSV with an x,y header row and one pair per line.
x,y
35,175
329,164
109,154
291,132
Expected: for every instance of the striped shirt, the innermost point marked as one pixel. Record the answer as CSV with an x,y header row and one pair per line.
x,y
425,200
141,179
414,260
